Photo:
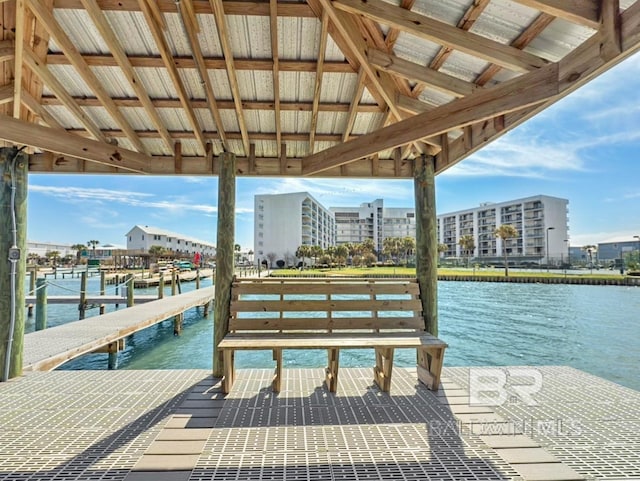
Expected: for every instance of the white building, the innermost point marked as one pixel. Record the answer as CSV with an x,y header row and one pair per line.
x,y
142,237
537,219
41,248
357,224
284,222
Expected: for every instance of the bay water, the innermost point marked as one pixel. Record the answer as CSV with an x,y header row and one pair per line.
x,y
592,328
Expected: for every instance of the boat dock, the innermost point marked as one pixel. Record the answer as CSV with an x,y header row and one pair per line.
x,y
177,425
97,299
49,348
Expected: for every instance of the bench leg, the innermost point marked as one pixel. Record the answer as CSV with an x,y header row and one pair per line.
x,y
332,369
430,366
277,377
229,370
383,369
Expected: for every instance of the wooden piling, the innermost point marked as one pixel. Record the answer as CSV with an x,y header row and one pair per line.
x,y
14,166
103,283
130,301
426,240
161,286
177,324
41,304
33,274
224,254
117,289
198,278
174,282
82,306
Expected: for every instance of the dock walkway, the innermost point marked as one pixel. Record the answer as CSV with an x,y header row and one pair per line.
x,y
176,425
47,349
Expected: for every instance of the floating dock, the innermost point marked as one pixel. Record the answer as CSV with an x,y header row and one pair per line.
x,y
176,425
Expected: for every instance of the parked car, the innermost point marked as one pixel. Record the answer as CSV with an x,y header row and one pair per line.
x,y
184,265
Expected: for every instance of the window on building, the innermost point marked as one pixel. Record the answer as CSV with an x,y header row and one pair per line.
x,y
142,236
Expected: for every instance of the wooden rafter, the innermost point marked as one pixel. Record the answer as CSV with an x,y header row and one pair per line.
x,y
318,85
353,109
7,51
6,94
62,39
275,54
34,106
191,29
393,33
217,63
19,48
53,140
110,39
412,71
443,34
582,12
241,7
538,86
61,93
223,34
167,58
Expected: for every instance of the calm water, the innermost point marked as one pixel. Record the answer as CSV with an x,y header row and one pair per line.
x,y
593,328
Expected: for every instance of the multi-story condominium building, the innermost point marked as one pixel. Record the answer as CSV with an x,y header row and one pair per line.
x,y
142,237
284,222
541,222
357,224
398,222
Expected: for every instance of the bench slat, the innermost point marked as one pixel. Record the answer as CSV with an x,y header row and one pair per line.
x,y
294,305
325,323
248,341
298,288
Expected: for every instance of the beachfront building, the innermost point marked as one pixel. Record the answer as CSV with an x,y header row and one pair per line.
x,y
357,224
284,222
620,247
541,221
142,237
42,248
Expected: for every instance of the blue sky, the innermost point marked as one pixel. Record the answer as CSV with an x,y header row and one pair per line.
x,y
585,148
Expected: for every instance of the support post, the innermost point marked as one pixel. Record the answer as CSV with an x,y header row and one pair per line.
x,y
41,304
197,278
103,283
426,240
83,295
161,286
130,290
14,166
174,277
117,290
178,319
224,255
33,274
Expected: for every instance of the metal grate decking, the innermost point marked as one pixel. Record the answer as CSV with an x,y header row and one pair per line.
x,y
114,425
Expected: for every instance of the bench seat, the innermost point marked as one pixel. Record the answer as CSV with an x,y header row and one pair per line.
x,y
336,314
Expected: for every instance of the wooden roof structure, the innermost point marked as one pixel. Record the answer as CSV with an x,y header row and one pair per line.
x,y
350,88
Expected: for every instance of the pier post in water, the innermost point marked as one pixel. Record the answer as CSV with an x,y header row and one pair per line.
x,y
41,304
33,274
130,301
82,307
224,254
14,166
426,240
161,286
103,284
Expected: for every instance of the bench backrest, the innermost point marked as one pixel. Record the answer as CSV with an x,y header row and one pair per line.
x,y
303,304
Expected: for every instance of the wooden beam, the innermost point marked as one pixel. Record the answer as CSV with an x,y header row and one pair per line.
x,y
412,71
518,93
212,63
353,109
318,85
273,33
6,94
443,34
110,39
251,8
172,71
60,92
19,48
7,51
222,104
223,34
582,12
45,138
610,29
394,33
34,106
46,17
413,105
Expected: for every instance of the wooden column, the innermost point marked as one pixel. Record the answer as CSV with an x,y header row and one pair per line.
x,y
13,165
130,287
82,307
426,240
41,304
224,254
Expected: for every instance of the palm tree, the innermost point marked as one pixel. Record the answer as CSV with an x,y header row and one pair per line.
x,y
236,250
341,254
467,244
408,245
506,232
78,248
316,251
93,244
303,252
391,247
590,249
53,257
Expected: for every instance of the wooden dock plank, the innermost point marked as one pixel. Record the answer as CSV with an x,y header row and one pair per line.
x,y
47,349
74,299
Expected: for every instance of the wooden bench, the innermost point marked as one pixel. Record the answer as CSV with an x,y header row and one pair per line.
x,y
383,314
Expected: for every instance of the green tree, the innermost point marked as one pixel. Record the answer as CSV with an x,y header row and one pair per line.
x,y
303,252
78,248
391,247
93,244
341,254
316,251
468,245
590,250
53,257
506,232
408,246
